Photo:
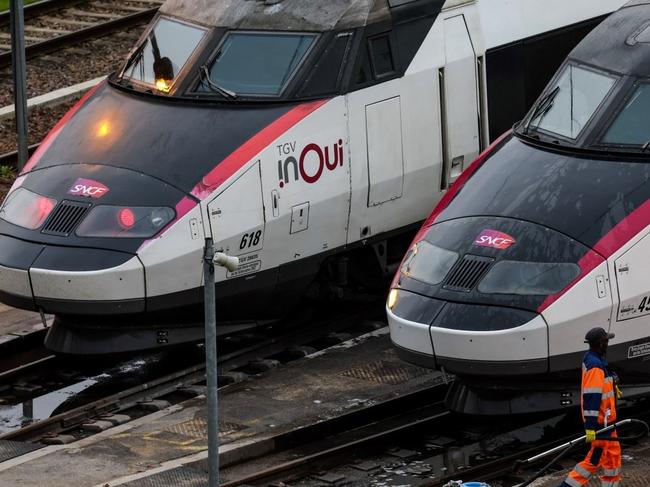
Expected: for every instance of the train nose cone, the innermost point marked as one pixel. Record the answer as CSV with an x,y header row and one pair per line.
x,y
472,291
80,255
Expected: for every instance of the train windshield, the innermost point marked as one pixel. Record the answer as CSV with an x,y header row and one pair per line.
x,y
569,106
630,127
163,54
255,63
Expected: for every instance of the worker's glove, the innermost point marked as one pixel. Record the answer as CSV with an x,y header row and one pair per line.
x,y
590,436
619,393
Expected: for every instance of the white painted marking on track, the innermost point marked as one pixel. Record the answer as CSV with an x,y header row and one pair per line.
x,y
352,342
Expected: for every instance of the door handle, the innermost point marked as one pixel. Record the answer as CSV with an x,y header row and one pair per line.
x,y
457,166
275,202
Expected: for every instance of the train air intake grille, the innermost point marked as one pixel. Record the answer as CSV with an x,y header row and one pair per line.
x,y
467,273
65,218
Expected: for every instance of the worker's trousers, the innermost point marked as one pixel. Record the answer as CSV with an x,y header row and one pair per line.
x,y
603,454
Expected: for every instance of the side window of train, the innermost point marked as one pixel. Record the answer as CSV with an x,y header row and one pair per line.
x,y
327,73
381,55
378,61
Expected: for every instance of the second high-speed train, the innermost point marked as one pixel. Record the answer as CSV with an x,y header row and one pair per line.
x,y
544,237
292,132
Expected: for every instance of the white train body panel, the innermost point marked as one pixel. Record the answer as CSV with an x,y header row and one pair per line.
x,y
578,311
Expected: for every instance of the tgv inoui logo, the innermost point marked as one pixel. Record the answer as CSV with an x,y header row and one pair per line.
x,y
311,163
88,188
494,239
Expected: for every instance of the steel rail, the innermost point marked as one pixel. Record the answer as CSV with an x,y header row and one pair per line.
x,y
37,363
98,30
18,356
11,158
39,8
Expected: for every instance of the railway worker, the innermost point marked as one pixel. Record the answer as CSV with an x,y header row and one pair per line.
x,y
599,393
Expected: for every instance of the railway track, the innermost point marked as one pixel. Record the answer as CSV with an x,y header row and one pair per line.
x,y
372,448
361,430
362,446
246,354
53,24
428,445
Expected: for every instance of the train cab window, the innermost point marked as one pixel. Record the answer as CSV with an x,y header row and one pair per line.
x,y
569,106
428,263
255,63
326,74
164,52
382,56
630,127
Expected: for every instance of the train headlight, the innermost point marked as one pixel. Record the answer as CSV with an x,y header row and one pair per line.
x,y
163,85
125,222
393,296
27,209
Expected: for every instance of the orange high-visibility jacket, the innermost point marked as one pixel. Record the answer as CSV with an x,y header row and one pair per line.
x,y
598,394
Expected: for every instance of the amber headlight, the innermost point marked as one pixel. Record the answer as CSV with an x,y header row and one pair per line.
x,y
392,298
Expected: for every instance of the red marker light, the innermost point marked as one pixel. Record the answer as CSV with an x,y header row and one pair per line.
x,y
41,209
45,207
126,218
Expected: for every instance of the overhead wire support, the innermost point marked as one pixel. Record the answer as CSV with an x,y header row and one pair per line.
x,y
19,64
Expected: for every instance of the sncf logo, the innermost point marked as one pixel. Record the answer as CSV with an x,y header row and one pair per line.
x,y
88,188
309,164
494,239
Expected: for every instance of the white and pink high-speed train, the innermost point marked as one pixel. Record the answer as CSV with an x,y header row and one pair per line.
x,y
546,236
295,133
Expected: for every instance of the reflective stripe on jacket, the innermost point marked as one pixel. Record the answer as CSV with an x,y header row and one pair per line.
x,y
598,395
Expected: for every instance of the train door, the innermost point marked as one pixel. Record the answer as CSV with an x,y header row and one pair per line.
x,y
459,100
237,222
378,164
632,318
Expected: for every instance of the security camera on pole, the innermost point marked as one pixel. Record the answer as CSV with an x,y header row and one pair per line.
x,y
211,259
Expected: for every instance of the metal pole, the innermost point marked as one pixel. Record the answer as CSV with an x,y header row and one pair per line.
x,y
211,363
19,62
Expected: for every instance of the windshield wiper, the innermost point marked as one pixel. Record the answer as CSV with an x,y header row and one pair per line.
x,y
135,58
645,147
215,86
543,107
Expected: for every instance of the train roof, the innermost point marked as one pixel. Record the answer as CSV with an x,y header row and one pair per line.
x,y
621,43
296,15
